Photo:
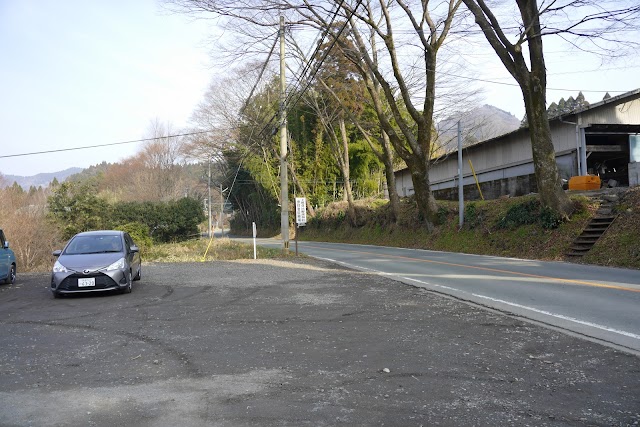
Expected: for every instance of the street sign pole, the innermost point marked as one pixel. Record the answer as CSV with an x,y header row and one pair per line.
x,y
301,216
254,240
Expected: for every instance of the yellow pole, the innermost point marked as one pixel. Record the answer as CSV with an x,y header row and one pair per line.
x,y
208,246
476,178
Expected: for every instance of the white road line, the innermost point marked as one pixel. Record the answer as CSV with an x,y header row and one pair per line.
x,y
429,284
563,317
524,307
535,310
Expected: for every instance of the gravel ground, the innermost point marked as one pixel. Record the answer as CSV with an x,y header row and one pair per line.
x,y
267,343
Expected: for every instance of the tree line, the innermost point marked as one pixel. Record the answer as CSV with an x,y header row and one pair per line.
x,y
156,195
373,92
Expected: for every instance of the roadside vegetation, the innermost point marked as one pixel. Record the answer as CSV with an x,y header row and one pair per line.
x,y
202,250
351,124
513,227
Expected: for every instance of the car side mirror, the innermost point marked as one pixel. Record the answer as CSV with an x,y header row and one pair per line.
x,y
56,253
134,248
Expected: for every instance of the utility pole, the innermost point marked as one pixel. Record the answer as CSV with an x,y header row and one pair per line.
x,y
221,210
284,188
460,178
209,201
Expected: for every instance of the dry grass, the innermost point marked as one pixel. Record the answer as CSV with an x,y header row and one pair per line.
x,y
204,250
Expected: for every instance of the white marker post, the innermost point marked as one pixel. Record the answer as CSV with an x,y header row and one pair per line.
x,y
301,216
255,233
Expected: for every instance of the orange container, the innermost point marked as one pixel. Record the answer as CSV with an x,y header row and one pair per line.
x,y
588,182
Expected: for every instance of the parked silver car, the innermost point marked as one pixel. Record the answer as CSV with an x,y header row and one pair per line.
x,y
92,261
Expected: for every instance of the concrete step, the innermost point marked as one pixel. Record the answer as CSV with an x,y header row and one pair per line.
x,y
586,240
588,235
600,230
581,248
593,231
603,219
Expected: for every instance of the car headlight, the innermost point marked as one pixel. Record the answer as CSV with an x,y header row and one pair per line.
x,y
59,268
118,265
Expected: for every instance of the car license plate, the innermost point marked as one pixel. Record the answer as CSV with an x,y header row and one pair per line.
x,y
86,282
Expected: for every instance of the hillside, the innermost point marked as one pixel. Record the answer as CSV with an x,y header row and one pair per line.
x,y
478,124
41,179
511,227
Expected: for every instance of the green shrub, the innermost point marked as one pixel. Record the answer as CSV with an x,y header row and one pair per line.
x,y
139,233
520,214
473,216
529,212
549,219
442,214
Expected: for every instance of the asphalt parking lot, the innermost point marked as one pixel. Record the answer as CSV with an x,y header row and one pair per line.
x,y
272,343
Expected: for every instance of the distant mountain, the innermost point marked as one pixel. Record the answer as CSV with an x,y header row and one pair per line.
x,y
479,124
41,179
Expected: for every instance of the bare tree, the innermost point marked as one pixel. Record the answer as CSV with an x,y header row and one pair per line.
x,y
597,22
403,94
25,224
411,126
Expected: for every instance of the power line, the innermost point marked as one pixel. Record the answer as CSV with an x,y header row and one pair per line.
x,y
307,66
445,73
327,51
106,145
264,67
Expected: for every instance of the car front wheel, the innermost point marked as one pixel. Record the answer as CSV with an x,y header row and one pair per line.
x,y
128,289
11,278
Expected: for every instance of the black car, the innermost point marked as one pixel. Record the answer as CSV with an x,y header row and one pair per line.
x,y
96,261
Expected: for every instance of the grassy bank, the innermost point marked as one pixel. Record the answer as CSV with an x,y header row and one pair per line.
x,y
511,227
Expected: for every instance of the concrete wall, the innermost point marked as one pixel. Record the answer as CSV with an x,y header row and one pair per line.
x,y
625,112
514,186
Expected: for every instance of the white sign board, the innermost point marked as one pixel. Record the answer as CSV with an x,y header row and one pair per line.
x,y
255,234
301,210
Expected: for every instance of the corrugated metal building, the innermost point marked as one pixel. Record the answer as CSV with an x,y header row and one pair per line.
x,y
602,139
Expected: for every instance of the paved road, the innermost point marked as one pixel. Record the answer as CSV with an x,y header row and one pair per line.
x,y
272,343
596,302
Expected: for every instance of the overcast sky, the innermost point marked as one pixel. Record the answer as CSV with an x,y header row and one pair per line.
x,y
75,73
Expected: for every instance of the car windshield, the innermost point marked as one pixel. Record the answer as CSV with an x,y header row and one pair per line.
x,y
94,245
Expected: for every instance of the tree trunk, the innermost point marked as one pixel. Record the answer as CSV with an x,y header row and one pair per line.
x,y
544,159
534,90
533,85
387,159
422,188
344,166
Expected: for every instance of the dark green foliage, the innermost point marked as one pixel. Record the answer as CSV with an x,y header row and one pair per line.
x,y
473,216
74,207
139,232
549,219
166,221
443,213
529,212
520,214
